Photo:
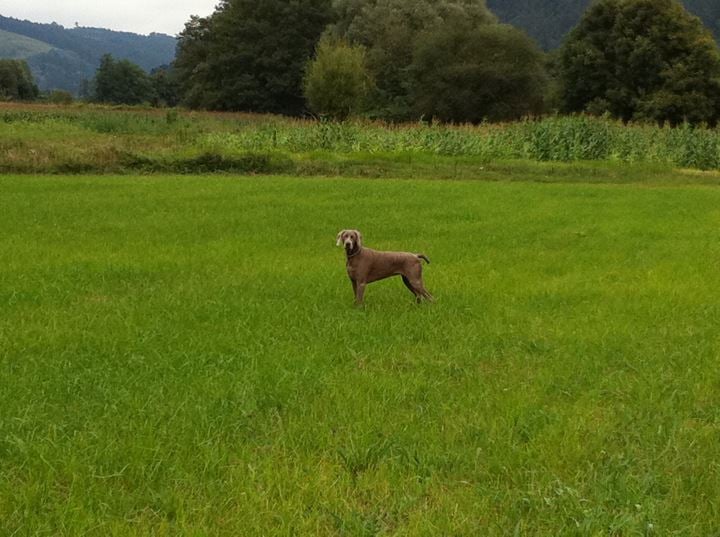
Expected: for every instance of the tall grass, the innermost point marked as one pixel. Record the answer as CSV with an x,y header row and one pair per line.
x,y
62,139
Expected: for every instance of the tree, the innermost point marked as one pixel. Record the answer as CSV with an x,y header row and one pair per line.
x,y
250,55
165,87
465,74
641,59
16,81
122,82
337,81
548,21
389,29
191,64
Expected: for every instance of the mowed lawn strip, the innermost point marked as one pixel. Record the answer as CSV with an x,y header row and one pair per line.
x,y
180,356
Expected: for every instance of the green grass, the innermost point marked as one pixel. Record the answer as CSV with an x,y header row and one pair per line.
x,y
180,356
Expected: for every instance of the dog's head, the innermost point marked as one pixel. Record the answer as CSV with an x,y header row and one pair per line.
x,y
350,239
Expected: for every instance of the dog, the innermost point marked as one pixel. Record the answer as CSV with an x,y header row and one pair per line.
x,y
365,266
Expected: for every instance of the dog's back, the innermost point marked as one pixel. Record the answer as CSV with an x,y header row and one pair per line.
x,y
376,264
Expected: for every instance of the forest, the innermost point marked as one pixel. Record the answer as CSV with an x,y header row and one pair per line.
x,y
455,61
450,60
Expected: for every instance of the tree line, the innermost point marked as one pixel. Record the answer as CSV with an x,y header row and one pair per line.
x,y
445,60
115,82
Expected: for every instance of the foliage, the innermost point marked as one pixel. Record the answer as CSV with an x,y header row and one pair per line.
x,y
166,89
60,97
337,80
642,59
462,73
192,63
389,30
250,55
16,81
122,82
549,21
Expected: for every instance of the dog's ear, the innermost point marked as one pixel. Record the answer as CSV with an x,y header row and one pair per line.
x,y
359,236
339,237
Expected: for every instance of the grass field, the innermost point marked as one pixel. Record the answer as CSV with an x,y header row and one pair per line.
x,y
180,356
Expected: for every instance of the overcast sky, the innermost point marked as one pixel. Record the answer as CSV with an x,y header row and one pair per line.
x,y
139,16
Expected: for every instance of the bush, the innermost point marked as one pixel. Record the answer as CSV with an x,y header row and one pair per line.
x,y
337,81
465,74
60,97
122,82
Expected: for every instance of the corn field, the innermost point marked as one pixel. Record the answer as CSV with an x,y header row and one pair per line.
x,y
563,139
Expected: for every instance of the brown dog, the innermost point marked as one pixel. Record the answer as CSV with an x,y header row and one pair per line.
x,y
365,266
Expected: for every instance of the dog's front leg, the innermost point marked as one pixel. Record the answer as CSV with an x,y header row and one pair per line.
x,y
354,284
359,293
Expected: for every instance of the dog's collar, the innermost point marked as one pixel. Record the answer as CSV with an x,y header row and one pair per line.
x,y
350,256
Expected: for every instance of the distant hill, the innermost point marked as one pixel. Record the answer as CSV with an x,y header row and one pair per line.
x,y
61,58
548,21
16,46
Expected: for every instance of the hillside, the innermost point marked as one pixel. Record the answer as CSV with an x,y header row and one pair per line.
x,y
548,21
15,46
61,58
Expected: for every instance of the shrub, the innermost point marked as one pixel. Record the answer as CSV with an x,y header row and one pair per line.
x,y
337,81
60,97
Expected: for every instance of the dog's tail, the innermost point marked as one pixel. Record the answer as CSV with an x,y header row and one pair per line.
x,y
423,256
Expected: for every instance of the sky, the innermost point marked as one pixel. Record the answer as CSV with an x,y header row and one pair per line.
x,y
138,16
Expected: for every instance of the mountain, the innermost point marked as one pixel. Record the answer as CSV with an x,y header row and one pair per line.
x,y
61,58
548,21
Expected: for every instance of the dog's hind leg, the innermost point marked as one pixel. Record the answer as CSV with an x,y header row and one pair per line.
x,y
427,294
419,289
412,289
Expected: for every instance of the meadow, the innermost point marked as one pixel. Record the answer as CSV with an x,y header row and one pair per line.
x,y
180,355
